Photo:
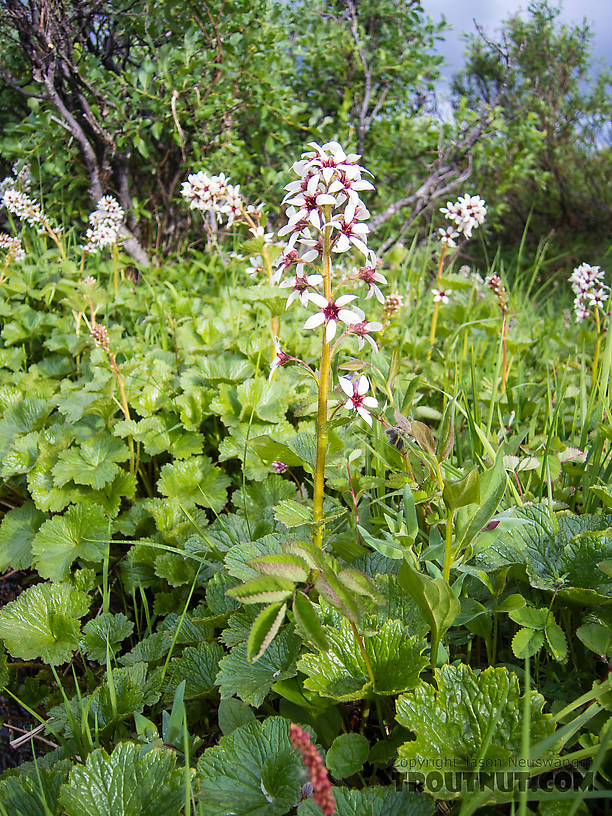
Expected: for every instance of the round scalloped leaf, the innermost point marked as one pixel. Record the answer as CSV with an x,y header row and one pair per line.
x,y
195,481
341,673
93,463
468,716
347,754
17,531
253,771
527,642
82,532
132,781
374,801
43,622
198,666
107,628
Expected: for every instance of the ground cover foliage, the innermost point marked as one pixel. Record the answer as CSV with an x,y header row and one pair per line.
x,y
290,525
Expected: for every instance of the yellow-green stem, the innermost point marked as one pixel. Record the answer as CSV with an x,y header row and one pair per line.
x,y
125,408
115,271
505,353
434,319
448,549
597,344
324,369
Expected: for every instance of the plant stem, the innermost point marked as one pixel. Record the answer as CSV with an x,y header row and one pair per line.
x,y
597,344
324,369
505,353
124,407
448,549
434,319
115,271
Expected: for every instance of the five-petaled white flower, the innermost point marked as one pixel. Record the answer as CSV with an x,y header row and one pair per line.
x,y
363,329
357,400
302,285
440,295
280,358
332,312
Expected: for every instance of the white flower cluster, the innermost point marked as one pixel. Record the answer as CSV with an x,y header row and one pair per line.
x,y
213,194
105,221
12,245
22,206
589,288
20,180
323,205
467,213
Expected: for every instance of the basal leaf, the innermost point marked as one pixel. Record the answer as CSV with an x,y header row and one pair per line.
x,y
93,463
197,666
341,673
467,717
81,533
132,781
17,531
107,628
251,682
43,622
347,755
293,514
373,801
253,771
195,481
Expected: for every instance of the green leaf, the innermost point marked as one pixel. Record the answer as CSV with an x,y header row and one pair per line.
x,y
233,713
197,666
126,691
446,434
132,781
34,793
373,801
597,638
355,581
93,463
436,600
251,682
264,630
283,565
21,418
530,617
555,640
341,673
195,481
527,642
266,589
468,717
292,514
106,628
253,771
462,492
43,622
492,489
337,595
81,533
347,755
308,621
410,514
17,531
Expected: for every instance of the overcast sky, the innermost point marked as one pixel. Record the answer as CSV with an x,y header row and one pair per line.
x,y
489,13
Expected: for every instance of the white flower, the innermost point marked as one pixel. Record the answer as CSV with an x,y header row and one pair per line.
x,y
280,358
26,209
440,295
14,250
363,329
302,285
105,222
256,266
332,312
589,288
370,277
357,401
447,236
467,213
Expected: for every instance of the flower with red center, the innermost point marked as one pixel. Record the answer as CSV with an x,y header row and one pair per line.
x,y
370,277
281,357
313,762
357,400
440,295
332,312
350,230
363,328
302,285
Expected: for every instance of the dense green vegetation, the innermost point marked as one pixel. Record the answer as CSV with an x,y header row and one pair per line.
x,y
265,550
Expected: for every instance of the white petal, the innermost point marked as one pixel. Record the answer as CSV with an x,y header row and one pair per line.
x,y
318,300
364,415
325,199
346,385
362,385
371,402
342,244
344,299
310,255
348,317
370,340
330,331
315,320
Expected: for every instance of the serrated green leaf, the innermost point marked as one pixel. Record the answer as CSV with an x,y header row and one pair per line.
x,y
292,514
530,617
264,630
81,533
555,640
597,638
337,595
195,481
36,792
468,716
347,755
233,713
197,666
308,621
132,781
238,677
356,581
266,589
17,531
527,642
306,550
43,622
283,565
253,771
93,463
106,628
373,801
341,673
